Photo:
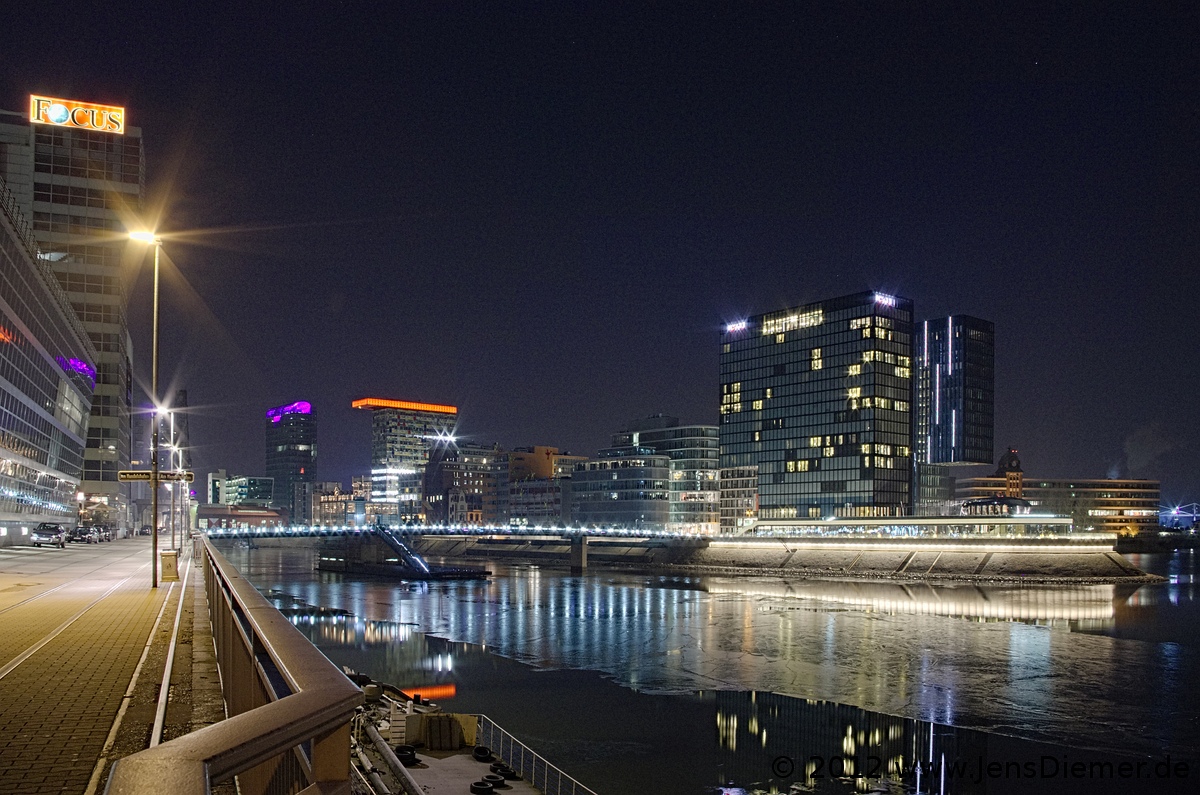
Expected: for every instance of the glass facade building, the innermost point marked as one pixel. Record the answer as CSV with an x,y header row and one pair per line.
x,y
47,377
694,484
291,437
956,391
83,191
402,435
819,398
625,487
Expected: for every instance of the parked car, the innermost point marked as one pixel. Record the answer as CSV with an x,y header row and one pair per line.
x,y
83,534
104,532
50,533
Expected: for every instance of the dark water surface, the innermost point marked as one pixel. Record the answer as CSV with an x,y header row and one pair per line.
x,y
643,684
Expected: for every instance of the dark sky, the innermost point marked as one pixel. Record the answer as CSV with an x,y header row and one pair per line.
x,y
543,212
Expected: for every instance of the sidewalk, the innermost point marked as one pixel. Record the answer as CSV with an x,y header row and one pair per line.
x,y
83,643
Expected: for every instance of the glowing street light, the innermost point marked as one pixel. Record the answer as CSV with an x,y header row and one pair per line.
x,y
150,239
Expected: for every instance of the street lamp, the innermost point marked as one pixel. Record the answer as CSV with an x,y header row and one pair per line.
x,y
150,239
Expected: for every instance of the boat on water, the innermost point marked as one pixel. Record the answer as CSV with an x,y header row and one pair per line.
x,y
402,743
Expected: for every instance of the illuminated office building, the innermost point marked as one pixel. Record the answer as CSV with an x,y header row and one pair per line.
x,y
1121,506
819,398
539,486
466,484
738,499
47,374
956,391
251,491
955,403
693,453
402,435
76,172
291,435
624,487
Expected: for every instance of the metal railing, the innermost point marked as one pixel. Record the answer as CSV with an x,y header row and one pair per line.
x,y
289,708
530,764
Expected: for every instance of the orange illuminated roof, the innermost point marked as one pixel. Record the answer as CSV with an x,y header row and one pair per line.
x,y
383,403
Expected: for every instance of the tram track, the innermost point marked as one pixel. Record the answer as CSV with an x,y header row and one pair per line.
x,y
30,651
47,592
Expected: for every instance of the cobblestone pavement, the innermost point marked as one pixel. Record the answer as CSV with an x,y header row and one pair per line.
x,y
81,662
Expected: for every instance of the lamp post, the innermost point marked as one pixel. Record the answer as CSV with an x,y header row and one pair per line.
x,y
149,238
171,488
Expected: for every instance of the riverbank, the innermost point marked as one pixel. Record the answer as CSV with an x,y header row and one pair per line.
x,y
1030,560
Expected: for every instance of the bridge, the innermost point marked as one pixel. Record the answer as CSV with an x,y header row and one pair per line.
x,y
1029,547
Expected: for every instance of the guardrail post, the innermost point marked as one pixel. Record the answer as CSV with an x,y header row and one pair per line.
x,y
330,759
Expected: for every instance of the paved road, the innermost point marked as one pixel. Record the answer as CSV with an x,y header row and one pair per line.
x,y
77,637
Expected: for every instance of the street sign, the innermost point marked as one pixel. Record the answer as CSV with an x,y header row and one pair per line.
x,y
144,474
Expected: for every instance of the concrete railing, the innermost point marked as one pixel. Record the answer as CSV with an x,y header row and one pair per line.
x,y
289,708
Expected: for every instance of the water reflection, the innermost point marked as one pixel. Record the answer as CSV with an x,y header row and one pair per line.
x,y
1093,666
753,742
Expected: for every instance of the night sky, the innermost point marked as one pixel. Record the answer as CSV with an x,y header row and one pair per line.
x,y
543,213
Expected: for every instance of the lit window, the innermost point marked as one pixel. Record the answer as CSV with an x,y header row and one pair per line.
x,y
757,405
854,391
854,369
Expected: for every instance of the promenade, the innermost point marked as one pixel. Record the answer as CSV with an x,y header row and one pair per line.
x,y
84,641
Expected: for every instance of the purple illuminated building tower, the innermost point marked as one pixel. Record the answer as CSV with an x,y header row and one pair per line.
x,y
292,458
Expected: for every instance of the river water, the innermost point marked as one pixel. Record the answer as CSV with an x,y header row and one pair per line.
x,y
637,683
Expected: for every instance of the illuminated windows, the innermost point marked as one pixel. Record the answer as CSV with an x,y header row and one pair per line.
x,y
830,414
778,325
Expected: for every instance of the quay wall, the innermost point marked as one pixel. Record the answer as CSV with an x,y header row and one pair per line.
x,y
1025,560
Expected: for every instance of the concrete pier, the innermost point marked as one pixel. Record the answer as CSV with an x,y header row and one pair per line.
x,y
579,545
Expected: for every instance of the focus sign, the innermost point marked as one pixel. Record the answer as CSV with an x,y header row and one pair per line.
x,y
80,115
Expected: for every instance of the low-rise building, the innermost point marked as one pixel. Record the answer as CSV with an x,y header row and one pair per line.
x,y
246,490
624,487
693,451
1123,506
544,502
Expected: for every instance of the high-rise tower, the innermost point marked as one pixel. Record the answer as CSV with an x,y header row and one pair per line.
x,y
292,458
955,403
819,399
48,369
76,170
402,434
956,391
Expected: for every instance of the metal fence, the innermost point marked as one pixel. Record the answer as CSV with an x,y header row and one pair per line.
x,y
530,764
289,708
